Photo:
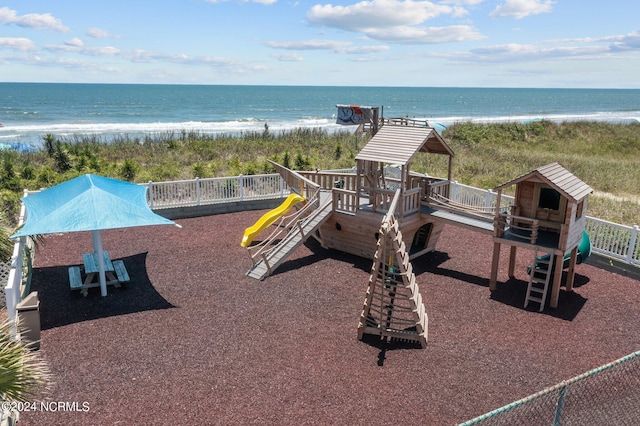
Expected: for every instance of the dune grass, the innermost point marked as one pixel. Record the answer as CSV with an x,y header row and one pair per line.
x,y
486,155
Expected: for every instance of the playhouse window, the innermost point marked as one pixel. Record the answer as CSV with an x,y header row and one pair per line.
x,y
549,199
580,210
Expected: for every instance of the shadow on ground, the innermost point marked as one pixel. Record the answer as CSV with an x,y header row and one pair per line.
x,y
570,303
511,293
60,306
318,253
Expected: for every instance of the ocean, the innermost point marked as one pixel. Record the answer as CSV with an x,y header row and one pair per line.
x,y
28,111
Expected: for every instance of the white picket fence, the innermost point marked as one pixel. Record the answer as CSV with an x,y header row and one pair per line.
x,y
607,238
196,192
15,272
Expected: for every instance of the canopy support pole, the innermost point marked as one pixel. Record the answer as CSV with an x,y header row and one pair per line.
x,y
97,249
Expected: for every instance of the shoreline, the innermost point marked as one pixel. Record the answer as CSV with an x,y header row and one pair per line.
x,y
32,135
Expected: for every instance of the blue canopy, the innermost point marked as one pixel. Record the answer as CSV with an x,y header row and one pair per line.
x,y
88,203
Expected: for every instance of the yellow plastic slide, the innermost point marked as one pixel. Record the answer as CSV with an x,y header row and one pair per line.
x,y
270,217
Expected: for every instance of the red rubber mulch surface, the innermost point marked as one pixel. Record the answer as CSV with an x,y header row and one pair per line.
x,y
192,340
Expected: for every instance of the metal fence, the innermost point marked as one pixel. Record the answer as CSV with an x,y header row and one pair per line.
x,y
607,395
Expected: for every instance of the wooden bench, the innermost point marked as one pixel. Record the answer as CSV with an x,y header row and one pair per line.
x,y
121,271
75,278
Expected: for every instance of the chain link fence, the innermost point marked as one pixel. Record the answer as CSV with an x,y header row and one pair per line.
x,y
607,395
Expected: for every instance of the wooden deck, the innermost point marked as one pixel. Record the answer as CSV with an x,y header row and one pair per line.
x,y
476,224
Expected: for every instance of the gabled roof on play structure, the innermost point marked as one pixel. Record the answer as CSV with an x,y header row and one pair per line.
x,y
397,144
557,177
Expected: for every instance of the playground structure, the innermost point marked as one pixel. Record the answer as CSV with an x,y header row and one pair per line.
x,y
387,213
548,216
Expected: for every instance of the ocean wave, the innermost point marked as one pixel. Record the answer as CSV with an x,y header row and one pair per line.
x,y
32,134
609,117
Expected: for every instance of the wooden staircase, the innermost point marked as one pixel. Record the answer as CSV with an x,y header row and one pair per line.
x,y
299,233
393,305
539,279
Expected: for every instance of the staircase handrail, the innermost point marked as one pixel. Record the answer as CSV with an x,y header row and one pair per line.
x,y
286,223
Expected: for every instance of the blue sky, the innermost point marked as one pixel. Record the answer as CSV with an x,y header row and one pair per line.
x,y
450,43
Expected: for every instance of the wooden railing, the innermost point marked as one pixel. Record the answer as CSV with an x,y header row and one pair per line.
x,y
260,250
437,188
299,183
334,179
344,201
411,201
519,226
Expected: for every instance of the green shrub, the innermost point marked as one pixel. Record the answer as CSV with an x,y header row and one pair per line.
x,y
486,155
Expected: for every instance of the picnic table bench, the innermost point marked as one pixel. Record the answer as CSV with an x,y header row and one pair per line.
x,y
115,273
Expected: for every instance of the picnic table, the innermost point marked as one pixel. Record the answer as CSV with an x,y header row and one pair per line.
x,y
115,273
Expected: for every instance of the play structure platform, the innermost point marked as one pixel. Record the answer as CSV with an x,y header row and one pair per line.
x,y
385,212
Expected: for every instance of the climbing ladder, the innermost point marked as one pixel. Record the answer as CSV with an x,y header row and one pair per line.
x,y
268,261
539,278
393,305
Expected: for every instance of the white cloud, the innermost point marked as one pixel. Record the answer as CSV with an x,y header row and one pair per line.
x,y
463,2
395,21
265,2
519,53
76,45
625,42
519,9
143,56
426,35
32,20
17,43
630,41
332,45
373,14
309,45
75,42
99,33
289,57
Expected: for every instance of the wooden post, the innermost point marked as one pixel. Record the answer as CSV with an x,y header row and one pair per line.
x,y
359,182
494,266
375,121
557,277
572,268
512,261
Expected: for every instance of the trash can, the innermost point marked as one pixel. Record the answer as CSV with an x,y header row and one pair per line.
x,y
28,324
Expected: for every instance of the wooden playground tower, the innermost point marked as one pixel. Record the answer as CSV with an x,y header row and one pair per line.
x,y
548,217
387,213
